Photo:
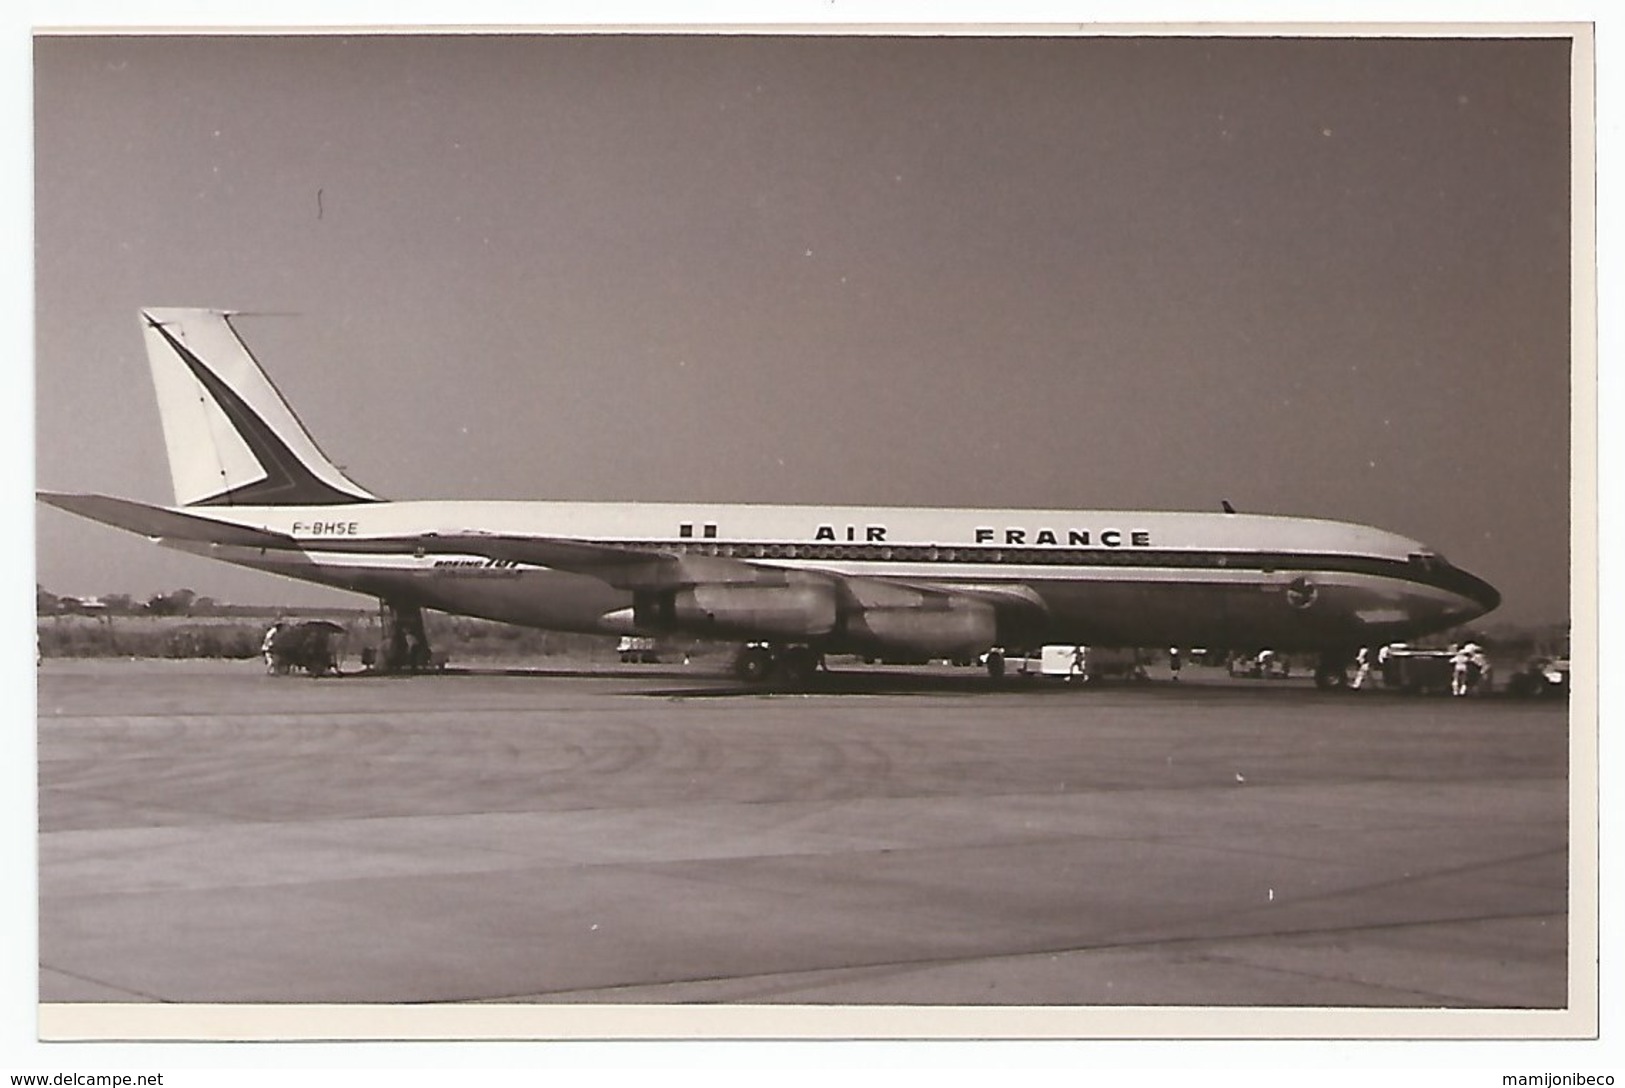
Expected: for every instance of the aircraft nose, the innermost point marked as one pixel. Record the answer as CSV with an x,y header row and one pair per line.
x,y
1485,596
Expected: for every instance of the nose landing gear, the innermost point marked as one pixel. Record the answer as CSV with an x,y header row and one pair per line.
x,y
1332,674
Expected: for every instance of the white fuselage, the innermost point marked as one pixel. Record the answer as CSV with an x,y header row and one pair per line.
x,y
1125,578
252,487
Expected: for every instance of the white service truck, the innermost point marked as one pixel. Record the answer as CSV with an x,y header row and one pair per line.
x,y
1086,664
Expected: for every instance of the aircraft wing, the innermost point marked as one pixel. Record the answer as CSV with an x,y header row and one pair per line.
x,y
623,566
634,568
1014,598
629,567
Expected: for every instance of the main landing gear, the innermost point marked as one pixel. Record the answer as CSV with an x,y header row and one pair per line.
x,y
405,643
761,662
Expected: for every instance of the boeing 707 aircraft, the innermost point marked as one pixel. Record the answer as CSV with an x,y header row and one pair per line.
x,y
790,583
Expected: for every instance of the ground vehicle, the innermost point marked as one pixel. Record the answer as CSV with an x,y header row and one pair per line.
x,y
1417,671
1261,666
316,646
637,649
1542,677
1088,664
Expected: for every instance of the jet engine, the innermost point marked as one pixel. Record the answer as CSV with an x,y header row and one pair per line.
x,y
796,612
954,627
855,615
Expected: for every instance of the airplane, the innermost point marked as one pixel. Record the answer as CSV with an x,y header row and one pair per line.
x,y
789,583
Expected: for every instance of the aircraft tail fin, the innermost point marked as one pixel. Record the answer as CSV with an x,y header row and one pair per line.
x,y
232,440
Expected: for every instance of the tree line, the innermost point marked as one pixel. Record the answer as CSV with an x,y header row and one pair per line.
x,y
177,602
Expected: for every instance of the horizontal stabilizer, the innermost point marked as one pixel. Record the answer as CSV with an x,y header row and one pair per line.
x,y
162,524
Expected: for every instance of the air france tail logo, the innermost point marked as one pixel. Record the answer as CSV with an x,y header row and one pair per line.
x,y
1301,593
287,479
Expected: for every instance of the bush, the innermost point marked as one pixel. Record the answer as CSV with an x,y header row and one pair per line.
x,y
82,636
238,637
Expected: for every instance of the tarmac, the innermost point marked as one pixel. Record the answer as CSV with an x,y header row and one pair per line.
x,y
637,837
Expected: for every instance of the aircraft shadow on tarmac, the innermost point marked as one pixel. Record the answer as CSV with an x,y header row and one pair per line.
x,y
719,683
702,682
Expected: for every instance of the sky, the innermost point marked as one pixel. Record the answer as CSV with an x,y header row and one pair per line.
x,y
1320,277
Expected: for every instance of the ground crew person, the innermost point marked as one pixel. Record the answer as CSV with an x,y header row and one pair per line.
x,y
266,644
1478,668
1363,659
1460,664
1173,661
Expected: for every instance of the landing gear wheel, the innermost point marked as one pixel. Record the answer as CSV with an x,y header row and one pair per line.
x,y
995,664
754,665
1330,678
406,643
798,665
